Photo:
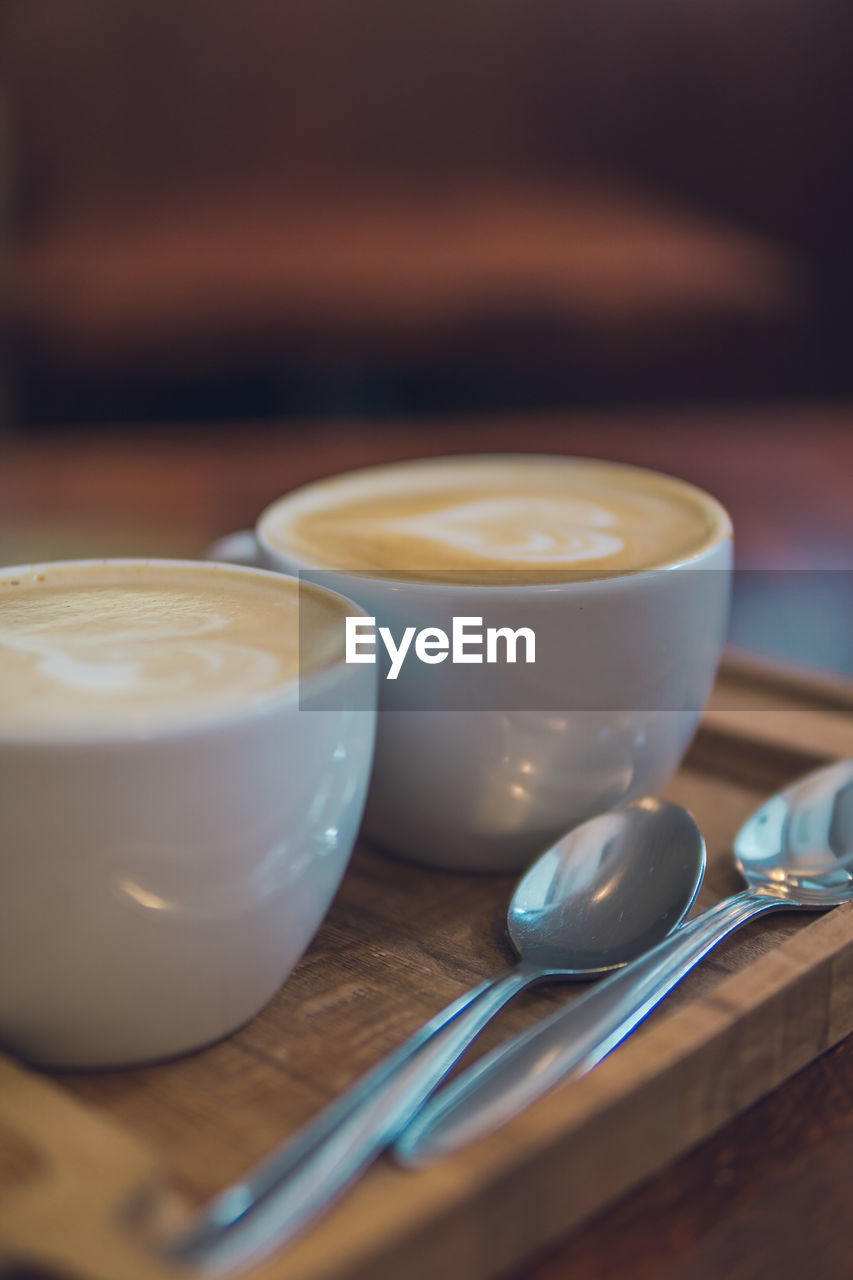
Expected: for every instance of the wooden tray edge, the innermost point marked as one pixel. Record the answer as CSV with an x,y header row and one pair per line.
x,y
681,1081
822,687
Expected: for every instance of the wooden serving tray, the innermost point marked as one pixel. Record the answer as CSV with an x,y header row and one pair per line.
x,y
85,1160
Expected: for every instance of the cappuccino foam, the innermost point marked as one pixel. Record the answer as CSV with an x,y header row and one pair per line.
x,y
466,517
136,643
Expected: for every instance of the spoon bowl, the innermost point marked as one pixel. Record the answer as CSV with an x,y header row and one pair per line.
x,y
608,891
799,845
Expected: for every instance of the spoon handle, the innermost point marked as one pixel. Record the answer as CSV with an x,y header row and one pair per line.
x,y
293,1185
570,1041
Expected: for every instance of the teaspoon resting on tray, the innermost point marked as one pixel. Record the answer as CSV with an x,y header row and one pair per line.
x,y
795,853
604,894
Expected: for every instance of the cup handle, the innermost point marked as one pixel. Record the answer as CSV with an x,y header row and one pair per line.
x,y
235,548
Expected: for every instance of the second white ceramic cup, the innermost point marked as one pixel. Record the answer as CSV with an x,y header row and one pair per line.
x,y
628,666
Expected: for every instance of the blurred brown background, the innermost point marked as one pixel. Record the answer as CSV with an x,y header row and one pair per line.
x,y
280,209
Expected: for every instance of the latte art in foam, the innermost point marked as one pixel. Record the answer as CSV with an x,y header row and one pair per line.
x,y
473,518
157,658
523,530
141,642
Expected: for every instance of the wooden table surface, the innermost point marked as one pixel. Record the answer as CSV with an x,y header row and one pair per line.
x,y
783,472
769,1196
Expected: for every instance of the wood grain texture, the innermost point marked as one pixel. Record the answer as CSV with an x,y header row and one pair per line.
x,y
401,941
767,1197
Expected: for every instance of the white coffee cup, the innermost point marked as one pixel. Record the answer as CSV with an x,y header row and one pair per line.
x,y
628,664
159,882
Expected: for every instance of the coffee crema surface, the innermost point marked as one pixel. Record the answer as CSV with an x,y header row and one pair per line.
x,y
98,645
476,518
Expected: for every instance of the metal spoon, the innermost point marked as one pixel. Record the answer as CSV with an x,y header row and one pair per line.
x,y
602,895
795,853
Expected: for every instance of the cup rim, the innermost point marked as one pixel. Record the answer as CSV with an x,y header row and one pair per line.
x,y
721,532
288,695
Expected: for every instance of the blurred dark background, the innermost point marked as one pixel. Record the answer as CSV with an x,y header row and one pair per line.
x,y
274,209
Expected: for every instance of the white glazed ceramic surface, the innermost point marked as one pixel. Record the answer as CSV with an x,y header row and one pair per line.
x,y
157,887
488,790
